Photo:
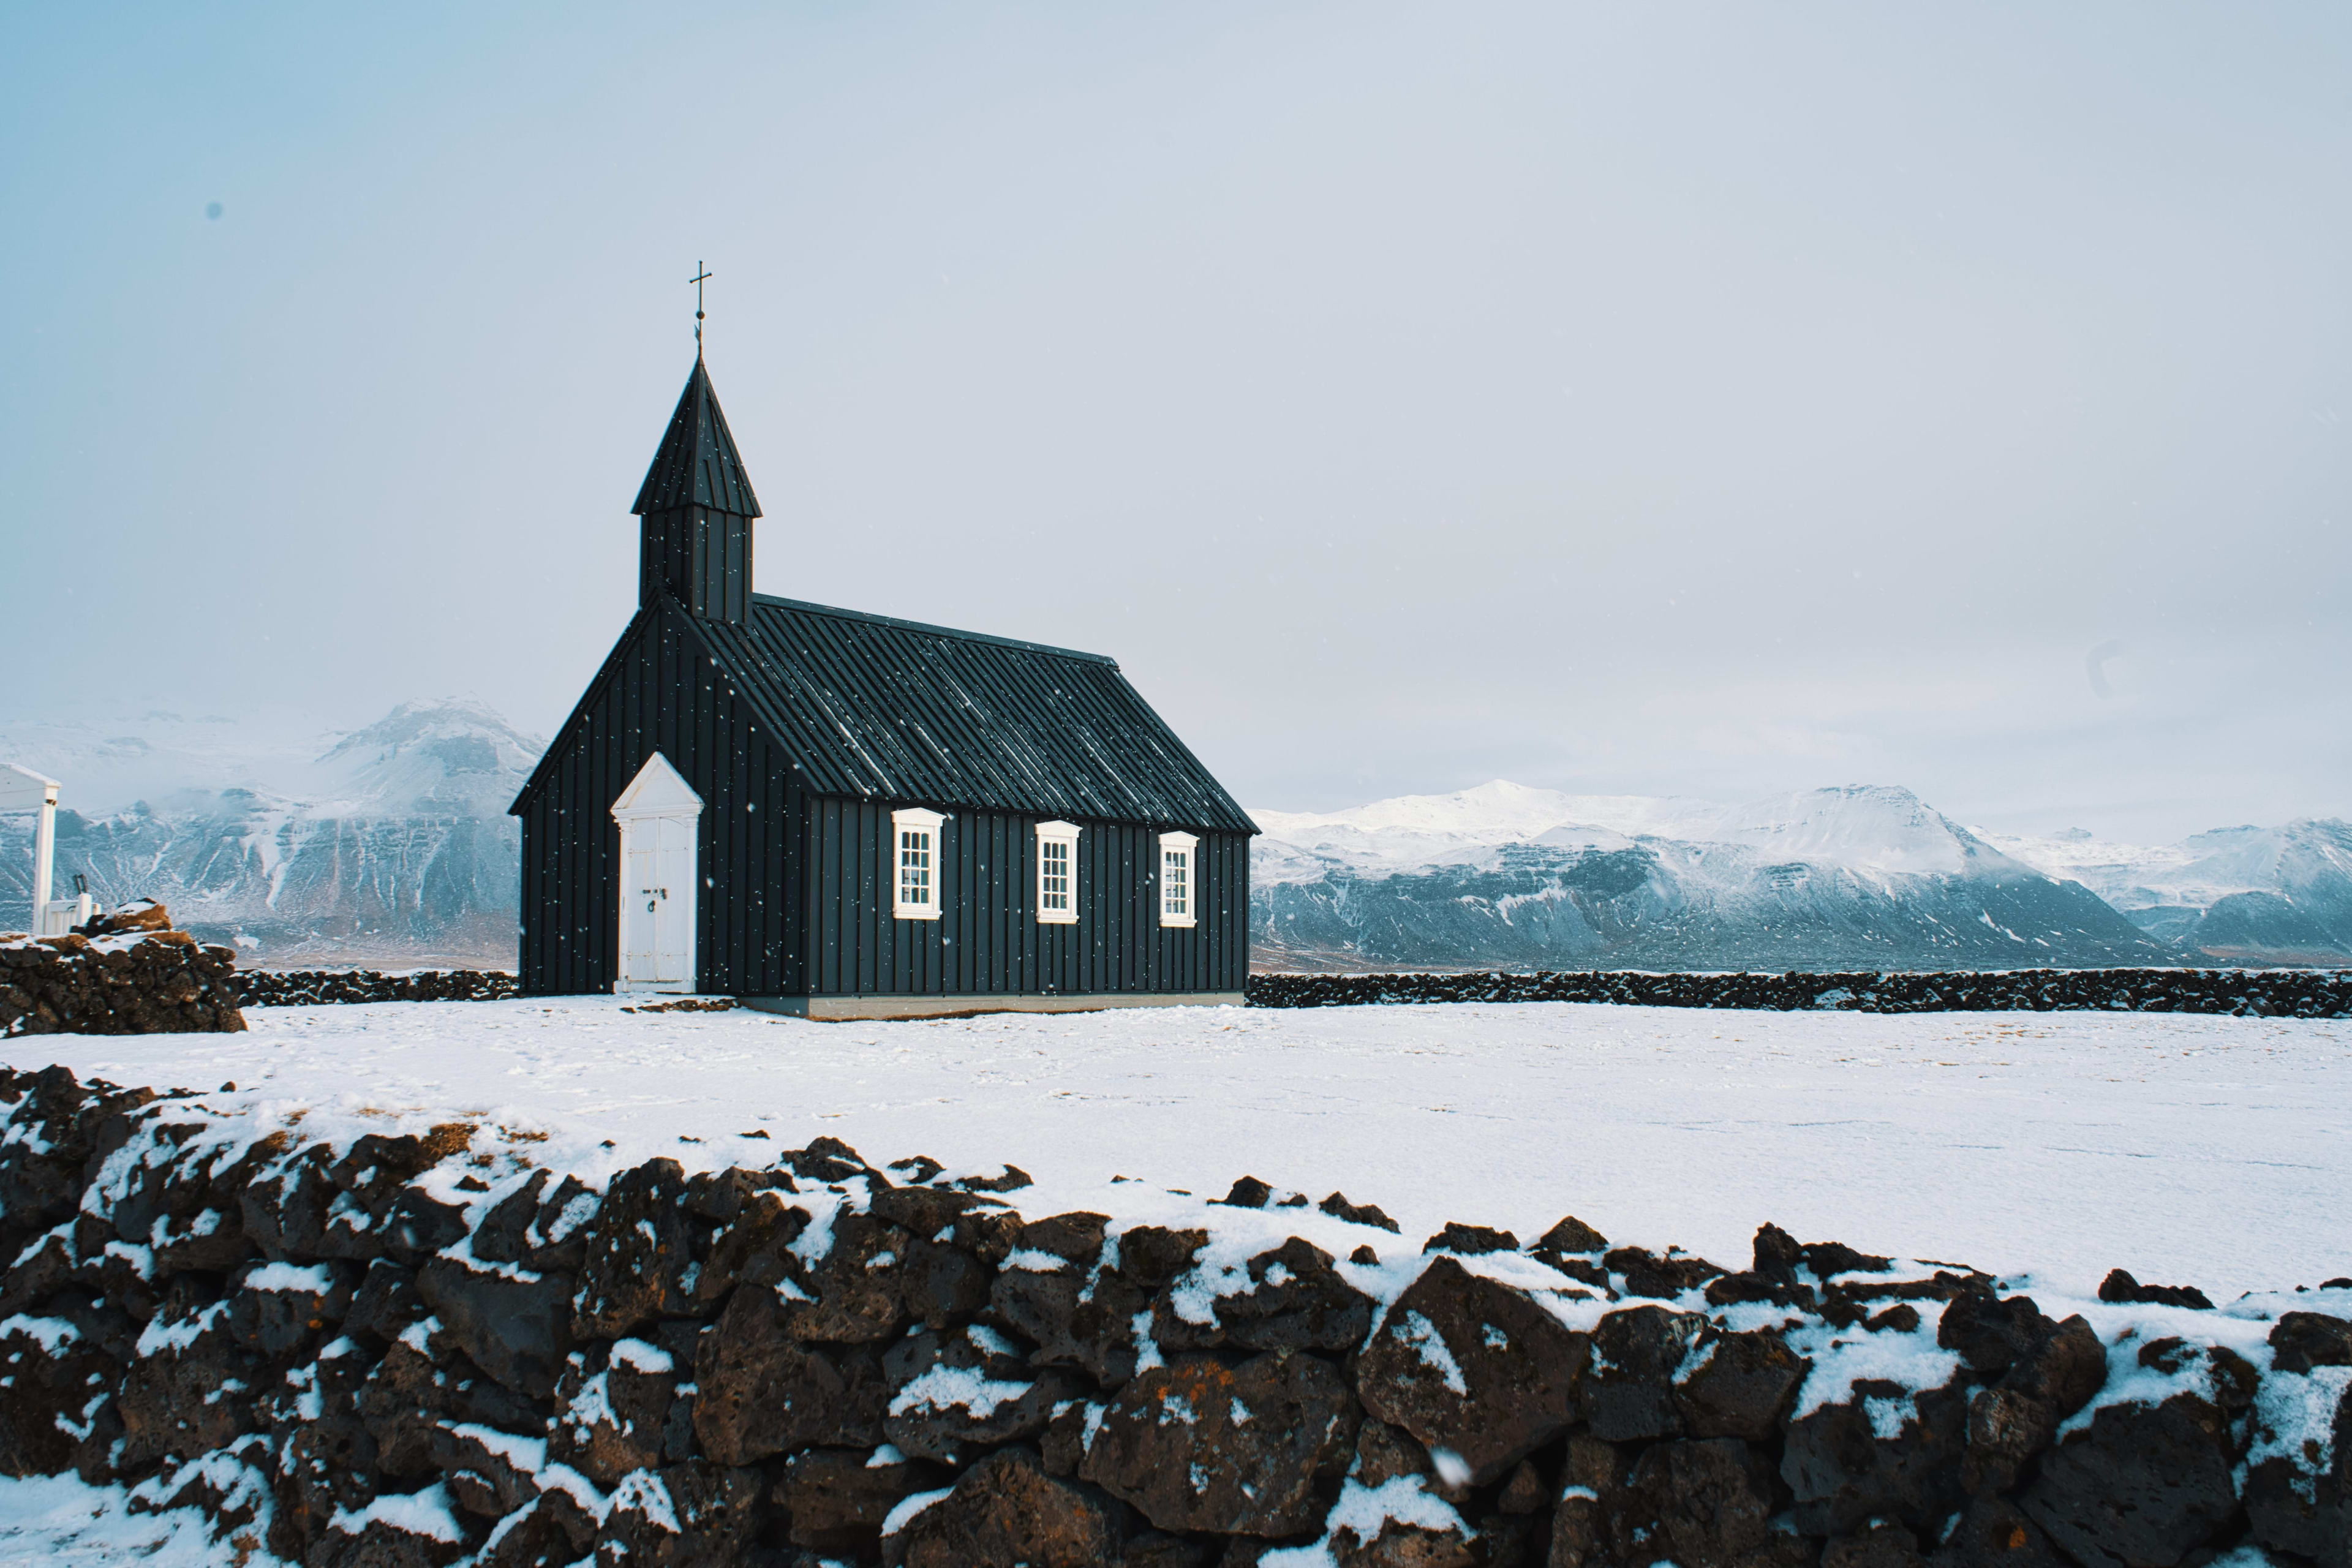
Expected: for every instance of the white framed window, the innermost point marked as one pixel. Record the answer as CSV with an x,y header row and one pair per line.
x,y
1058,873
915,846
1179,878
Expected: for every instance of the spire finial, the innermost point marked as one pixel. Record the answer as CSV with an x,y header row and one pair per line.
x,y
700,273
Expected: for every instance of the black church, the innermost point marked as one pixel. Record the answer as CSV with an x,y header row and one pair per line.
x,y
842,815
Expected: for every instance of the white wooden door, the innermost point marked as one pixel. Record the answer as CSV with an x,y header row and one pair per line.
x,y
657,920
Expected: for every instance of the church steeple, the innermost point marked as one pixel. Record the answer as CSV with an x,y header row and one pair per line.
x,y
697,508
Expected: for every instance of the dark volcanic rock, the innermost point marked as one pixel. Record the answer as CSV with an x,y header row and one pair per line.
x,y
56,1384
612,1420
1470,1240
1005,1512
838,1498
279,1311
1337,1206
1574,1248
1701,1503
2063,1371
2010,1425
484,1471
690,1515
1297,1299
1571,1235
2301,1340
1204,1444
1592,1491
1743,1388
382,1545
514,1324
1993,1532
1248,1192
1843,1474
764,1393
1150,1256
190,1393
1991,1333
385,1303
553,1531
958,1394
856,1293
1877,1544
1474,1367
2143,1484
753,1247
1629,1392
1649,1275
1073,1320
638,1248
2122,1287
504,1235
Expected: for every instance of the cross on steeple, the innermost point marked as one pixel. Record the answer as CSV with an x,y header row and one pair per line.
x,y
700,273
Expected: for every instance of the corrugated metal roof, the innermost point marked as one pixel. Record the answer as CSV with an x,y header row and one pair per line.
x,y
895,710
698,464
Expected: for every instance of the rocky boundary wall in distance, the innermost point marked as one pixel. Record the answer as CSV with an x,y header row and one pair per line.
x,y
411,1349
311,987
2258,993
137,982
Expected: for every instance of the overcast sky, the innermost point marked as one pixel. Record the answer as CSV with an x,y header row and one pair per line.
x,y
1716,400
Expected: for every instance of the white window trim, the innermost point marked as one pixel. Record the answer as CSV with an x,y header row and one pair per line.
x,y
1189,847
1057,833
917,819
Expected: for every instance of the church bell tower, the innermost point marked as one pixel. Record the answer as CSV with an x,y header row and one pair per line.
x,y
696,509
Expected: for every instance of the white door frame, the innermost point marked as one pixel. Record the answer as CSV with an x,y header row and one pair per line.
x,y
659,794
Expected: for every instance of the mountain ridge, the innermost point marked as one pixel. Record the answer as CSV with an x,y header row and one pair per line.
x,y
389,844
1860,875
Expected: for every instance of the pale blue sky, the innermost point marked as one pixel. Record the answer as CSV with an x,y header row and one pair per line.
x,y
1691,398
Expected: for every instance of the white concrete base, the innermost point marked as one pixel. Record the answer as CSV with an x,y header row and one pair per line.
x,y
840,1009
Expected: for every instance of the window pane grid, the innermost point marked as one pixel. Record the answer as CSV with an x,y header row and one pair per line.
x,y
914,867
1054,874
1175,882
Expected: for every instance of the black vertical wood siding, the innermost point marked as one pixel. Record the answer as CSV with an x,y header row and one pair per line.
x,y
797,890
660,692
797,894
988,938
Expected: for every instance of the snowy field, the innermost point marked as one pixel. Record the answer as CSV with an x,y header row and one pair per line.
x,y
2044,1147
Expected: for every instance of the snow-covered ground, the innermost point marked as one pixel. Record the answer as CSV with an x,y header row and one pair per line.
x,y
2049,1147
2044,1147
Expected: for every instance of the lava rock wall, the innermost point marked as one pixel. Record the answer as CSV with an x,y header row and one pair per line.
x,y
2257,993
313,987
2269,993
414,1347
137,982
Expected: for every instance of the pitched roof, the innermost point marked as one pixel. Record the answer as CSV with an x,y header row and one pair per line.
x,y
873,706
889,710
698,464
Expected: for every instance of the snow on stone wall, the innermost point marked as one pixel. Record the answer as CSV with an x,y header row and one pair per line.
x,y
415,1346
137,982
313,987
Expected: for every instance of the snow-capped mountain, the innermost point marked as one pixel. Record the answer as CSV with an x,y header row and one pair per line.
x,y
1863,877
2235,894
388,844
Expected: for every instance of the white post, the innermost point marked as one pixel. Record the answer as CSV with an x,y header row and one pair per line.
x,y
44,849
22,789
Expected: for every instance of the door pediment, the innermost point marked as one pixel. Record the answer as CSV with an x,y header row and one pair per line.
x,y
658,790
